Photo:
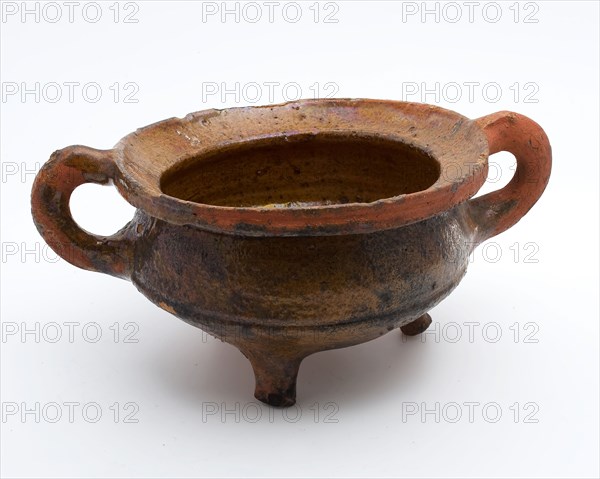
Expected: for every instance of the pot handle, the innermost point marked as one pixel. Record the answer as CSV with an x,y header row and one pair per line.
x,y
497,211
61,174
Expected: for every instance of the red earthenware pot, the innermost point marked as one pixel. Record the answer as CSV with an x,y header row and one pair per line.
x,y
291,229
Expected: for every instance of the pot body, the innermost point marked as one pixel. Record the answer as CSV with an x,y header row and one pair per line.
x,y
309,293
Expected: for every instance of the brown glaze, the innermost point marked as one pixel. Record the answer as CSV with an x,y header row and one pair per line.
x,y
297,228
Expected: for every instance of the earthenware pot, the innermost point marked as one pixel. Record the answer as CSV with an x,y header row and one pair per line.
x,y
291,229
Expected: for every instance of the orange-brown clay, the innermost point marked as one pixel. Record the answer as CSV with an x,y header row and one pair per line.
x,y
295,228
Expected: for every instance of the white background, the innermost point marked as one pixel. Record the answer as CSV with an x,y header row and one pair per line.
x,y
177,382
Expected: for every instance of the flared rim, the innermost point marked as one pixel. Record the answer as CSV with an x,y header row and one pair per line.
x,y
454,141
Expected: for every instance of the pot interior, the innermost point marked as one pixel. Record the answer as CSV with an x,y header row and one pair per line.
x,y
302,170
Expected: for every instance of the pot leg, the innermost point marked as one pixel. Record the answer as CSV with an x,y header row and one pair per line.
x,y
418,326
275,376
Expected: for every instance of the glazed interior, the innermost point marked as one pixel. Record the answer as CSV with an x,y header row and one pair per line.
x,y
302,171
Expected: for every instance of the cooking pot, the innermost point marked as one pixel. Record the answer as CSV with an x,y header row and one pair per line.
x,y
301,227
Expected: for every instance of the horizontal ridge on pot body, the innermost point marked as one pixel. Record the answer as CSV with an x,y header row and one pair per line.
x,y
311,293
286,258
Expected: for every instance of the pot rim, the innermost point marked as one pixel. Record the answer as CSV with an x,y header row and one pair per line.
x,y
457,143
